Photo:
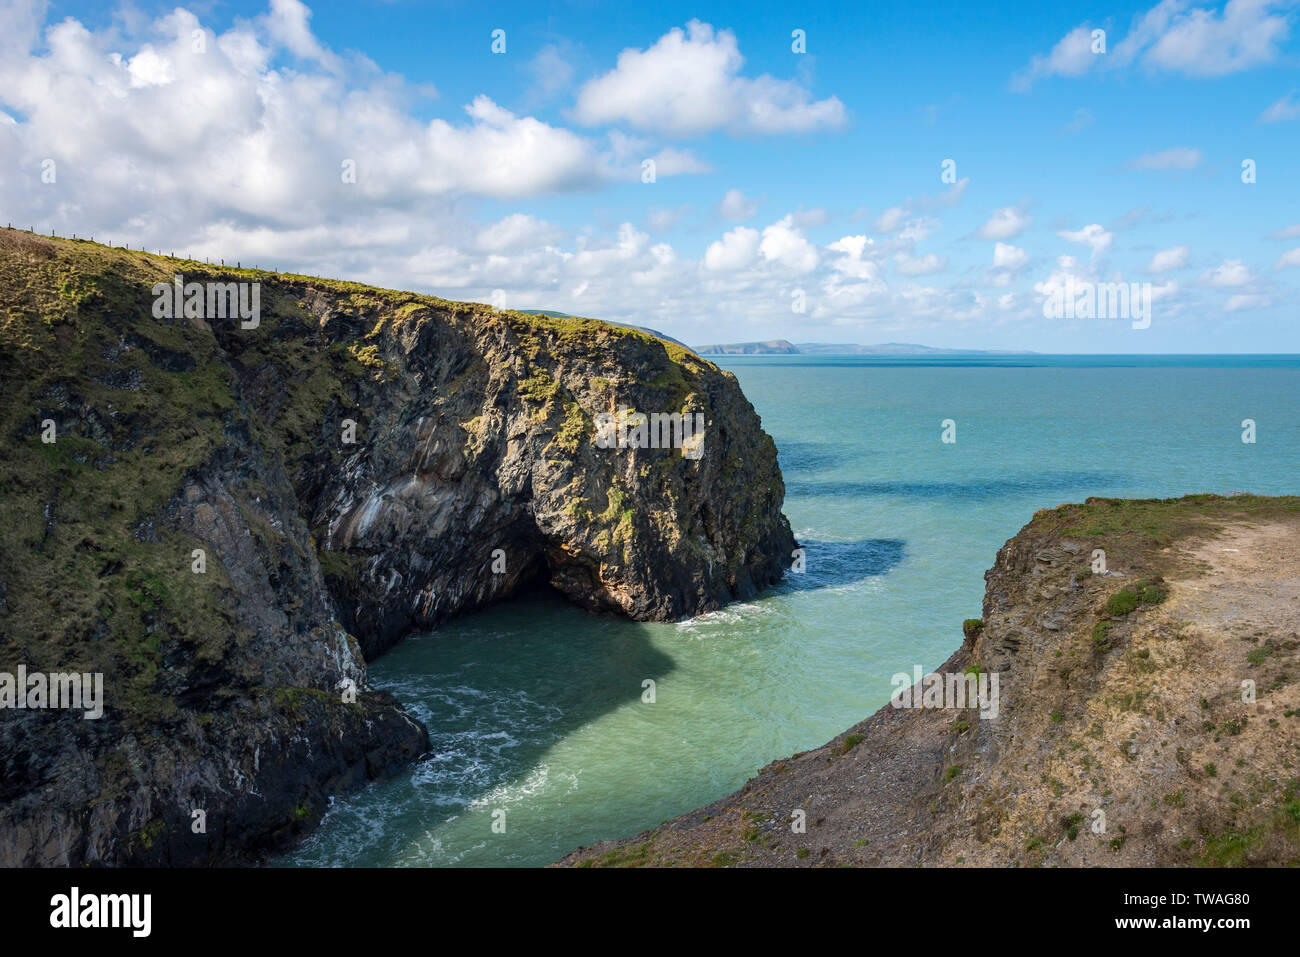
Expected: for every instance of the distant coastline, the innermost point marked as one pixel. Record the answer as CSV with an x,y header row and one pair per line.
x,y
783,347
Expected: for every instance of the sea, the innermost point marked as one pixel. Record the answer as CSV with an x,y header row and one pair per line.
x,y
554,728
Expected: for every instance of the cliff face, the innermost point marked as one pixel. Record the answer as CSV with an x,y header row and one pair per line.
x,y
1122,733
477,462
229,521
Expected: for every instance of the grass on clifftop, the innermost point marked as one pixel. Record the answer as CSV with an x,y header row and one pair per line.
x,y
1143,526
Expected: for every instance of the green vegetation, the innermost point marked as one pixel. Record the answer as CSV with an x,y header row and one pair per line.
x,y
1072,824
631,855
971,628
851,741
1148,591
1138,528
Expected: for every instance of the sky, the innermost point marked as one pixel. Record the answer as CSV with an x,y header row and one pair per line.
x,y
928,173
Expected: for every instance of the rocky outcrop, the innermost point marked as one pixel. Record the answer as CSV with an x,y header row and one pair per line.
x,y
1147,714
230,521
478,462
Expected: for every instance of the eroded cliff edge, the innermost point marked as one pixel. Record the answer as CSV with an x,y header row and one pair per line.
x,y
1123,735
361,463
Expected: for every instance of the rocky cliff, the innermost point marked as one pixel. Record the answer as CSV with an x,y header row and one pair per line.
x,y
1148,714
227,518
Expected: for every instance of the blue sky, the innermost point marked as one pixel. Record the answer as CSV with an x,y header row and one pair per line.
x,y
780,177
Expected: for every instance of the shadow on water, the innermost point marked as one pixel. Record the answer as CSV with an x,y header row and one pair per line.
x,y
796,456
832,564
964,489
496,689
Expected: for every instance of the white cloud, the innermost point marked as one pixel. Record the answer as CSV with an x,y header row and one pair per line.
x,y
1066,276
857,257
1247,300
1288,260
688,83
1006,256
674,162
1005,223
1178,158
1231,272
1286,232
890,219
737,207
1203,41
515,232
1168,260
1071,56
288,23
737,249
916,230
1287,108
925,265
1177,37
784,243
169,142
1093,236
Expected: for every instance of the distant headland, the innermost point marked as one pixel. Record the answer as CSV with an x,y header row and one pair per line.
x,y
783,347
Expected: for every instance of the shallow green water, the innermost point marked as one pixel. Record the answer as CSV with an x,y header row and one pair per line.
x,y
535,708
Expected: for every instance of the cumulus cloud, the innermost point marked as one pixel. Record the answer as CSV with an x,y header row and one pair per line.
x,y
1094,236
737,249
1231,272
1005,223
257,137
225,133
857,257
689,83
1177,37
1168,260
1006,256
514,232
784,243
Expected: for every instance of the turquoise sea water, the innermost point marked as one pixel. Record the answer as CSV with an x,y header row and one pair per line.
x,y
535,708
